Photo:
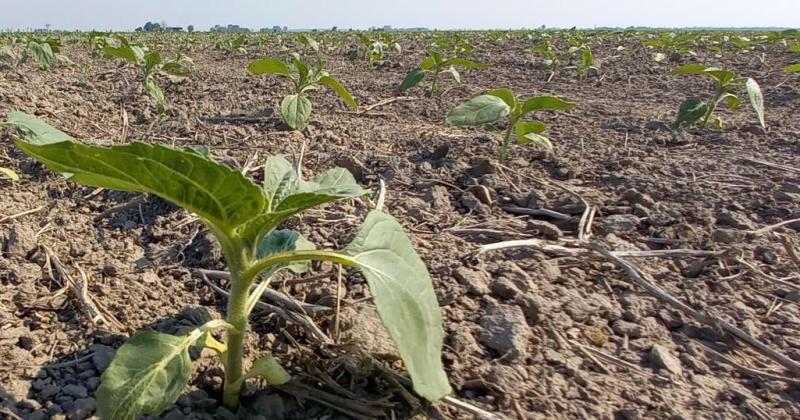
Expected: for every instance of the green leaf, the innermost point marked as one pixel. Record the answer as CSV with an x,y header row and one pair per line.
x,y
731,101
537,139
756,100
456,61
404,296
479,110
546,103
8,173
42,53
129,53
155,92
287,194
34,130
428,63
506,95
176,69
723,77
218,194
281,241
151,60
148,374
269,369
792,68
340,90
691,68
295,110
412,79
690,112
795,48
268,65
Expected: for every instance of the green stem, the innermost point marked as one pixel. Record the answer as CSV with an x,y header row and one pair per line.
x,y
506,142
436,71
237,316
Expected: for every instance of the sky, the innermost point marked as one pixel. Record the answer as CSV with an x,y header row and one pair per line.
x,y
360,14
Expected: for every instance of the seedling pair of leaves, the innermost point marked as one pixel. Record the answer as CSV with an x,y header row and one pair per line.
x,y
695,111
296,107
375,48
499,103
434,64
230,45
151,64
151,369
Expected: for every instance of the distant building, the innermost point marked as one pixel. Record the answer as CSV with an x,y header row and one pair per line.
x,y
173,29
229,28
387,27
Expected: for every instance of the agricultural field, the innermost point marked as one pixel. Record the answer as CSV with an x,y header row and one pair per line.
x,y
523,224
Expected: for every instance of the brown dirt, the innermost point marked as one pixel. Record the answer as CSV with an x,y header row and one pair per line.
x,y
517,321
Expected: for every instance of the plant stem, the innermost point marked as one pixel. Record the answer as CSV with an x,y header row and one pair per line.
x,y
237,317
435,79
506,142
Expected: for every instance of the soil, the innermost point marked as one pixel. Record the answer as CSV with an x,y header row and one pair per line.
x,y
529,334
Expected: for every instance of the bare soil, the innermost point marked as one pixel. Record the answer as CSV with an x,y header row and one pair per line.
x,y
529,333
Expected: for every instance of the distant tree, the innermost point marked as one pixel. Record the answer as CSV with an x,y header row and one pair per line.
x,y
334,29
190,28
148,27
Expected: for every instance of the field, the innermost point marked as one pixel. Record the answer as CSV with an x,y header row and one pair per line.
x,y
556,327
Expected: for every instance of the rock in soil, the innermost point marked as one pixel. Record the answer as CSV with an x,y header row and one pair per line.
x,y
504,330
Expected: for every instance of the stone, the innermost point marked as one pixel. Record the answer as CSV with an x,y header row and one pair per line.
x,y
48,392
630,329
438,197
504,288
663,359
635,197
735,220
20,242
271,406
471,203
75,390
786,197
362,325
790,188
619,223
544,228
462,340
505,330
725,236
476,281
82,408
102,357
533,306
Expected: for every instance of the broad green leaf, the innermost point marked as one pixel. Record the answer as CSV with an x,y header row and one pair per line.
x,y
412,79
690,112
42,53
34,130
404,296
506,95
151,60
521,128
295,110
691,68
792,68
217,193
287,194
456,61
731,101
428,63
537,139
723,77
479,110
795,48
340,90
546,103
282,241
176,69
268,65
457,77
148,374
155,92
301,68
124,52
757,100
8,173
586,61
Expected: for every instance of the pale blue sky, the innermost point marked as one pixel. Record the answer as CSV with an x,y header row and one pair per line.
x,y
444,14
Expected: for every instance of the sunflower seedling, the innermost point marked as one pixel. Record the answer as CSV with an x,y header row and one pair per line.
x,y
435,64
296,107
499,103
696,111
151,369
151,64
